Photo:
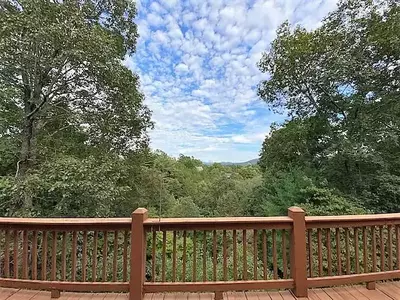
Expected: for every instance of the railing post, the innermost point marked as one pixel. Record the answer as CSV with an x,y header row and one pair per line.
x,y
298,253
138,254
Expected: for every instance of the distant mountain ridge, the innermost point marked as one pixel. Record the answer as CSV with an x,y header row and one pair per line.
x,y
246,163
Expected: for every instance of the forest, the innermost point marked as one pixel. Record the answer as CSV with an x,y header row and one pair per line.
x,y
74,127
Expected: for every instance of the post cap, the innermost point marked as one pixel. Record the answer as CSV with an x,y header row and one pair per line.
x,y
140,211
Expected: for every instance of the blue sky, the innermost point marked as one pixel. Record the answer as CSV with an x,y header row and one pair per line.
x,y
197,63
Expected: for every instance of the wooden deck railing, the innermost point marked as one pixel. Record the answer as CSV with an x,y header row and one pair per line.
x,y
146,255
65,254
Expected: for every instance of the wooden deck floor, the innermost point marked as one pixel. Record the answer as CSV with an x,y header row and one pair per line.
x,y
384,291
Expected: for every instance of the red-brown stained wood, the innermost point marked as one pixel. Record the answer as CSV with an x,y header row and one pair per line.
x,y
194,269
7,254
274,254
235,266
115,256
25,254
15,258
329,250
365,249
34,255
125,257
319,240
338,253
204,255
298,253
356,250
255,252
310,252
74,256
174,256
94,256
44,256
163,258
184,257
153,257
373,249
284,254
224,255
398,246
382,248
264,249
138,254
64,257
215,255
347,238
244,244
54,256
105,254
84,256
390,247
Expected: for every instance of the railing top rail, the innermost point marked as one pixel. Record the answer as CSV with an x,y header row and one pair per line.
x,y
219,223
66,223
352,220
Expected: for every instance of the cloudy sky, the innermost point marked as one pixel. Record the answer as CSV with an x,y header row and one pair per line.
x,y
197,64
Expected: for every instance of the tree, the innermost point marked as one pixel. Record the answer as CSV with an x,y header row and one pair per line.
x,y
61,65
340,84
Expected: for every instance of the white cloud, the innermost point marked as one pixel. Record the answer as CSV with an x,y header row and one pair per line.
x,y
154,19
181,68
197,63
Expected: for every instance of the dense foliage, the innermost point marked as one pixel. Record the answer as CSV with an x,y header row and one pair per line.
x,y
340,84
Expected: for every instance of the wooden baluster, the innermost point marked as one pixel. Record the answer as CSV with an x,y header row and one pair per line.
x,y
347,237
174,256
215,255
284,254
64,257
74,256
163,255
94,258
105,254
125,257
374,267
255,250
205,255
115,256
264,247
153,257
194,275
338,253
7,254
34,255
25,242
357,257
235,266
382,246
329,250
184,257
225,256
365,249
54,257
398,246
84,256
390,247
44,256
274,256
310,252
319,240
244,244
16,254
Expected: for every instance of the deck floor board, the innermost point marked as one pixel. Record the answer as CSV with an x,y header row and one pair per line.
x,y
384,291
